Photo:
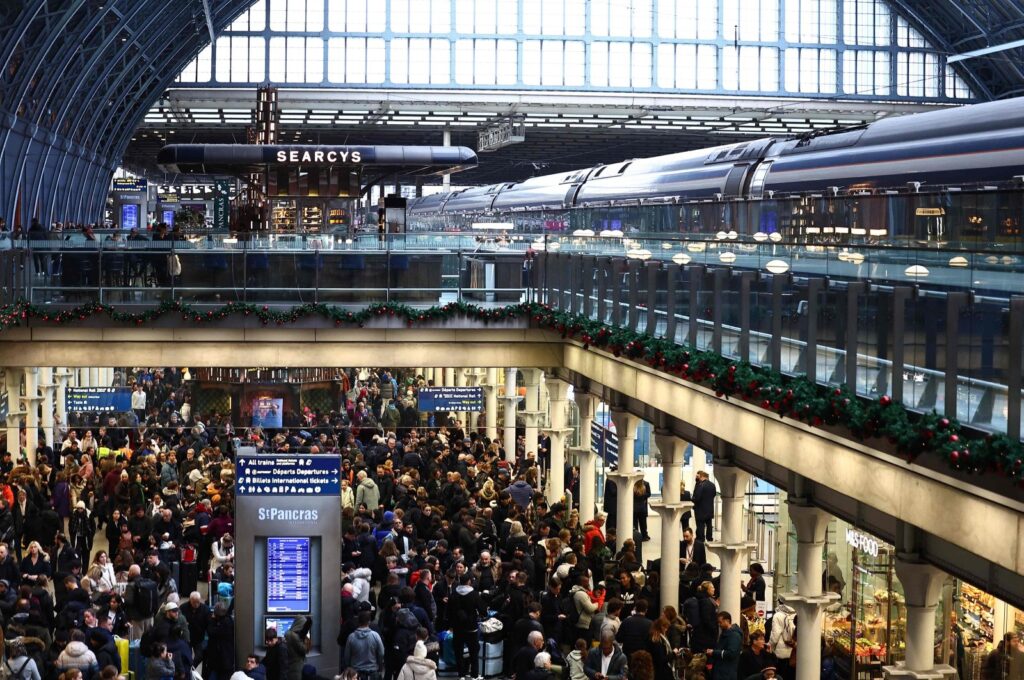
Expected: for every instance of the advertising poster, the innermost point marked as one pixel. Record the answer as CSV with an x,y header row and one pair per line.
x,y
267,412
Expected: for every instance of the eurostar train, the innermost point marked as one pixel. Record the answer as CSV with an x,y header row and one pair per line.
x,y
948,176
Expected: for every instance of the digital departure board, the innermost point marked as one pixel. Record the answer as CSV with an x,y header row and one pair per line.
x,y
287,575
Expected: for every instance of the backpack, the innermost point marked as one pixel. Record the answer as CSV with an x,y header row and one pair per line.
x,y
16,674
143,598
147,644
406,624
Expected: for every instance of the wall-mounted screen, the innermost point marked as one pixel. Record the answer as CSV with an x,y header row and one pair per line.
x,y
282,624
287,575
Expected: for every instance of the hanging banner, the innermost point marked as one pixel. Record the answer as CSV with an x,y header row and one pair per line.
x,y
221,211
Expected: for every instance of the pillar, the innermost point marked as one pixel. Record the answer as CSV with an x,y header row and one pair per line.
x,y
446,178
460,381
558,402
12,384
511,403
626,475
922,587
62,376
535,410
809,601
472,380
82,379
733,547
94,377
671,510
48,384
31,407
491,404
587,404
449,377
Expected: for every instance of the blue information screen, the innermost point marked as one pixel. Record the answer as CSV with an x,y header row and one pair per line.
x,y
282,624
287,575
130,216
451,399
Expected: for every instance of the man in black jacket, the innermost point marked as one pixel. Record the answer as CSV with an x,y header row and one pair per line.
x,y
465,609
635,630
704,505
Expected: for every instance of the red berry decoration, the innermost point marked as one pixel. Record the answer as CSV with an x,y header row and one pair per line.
x,y
954,437
954,457
885,400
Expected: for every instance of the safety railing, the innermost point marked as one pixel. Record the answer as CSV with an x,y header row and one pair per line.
x,y
928,347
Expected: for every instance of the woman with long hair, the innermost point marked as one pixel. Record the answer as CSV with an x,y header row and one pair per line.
x,y
101,572
641,666
36,563
661,650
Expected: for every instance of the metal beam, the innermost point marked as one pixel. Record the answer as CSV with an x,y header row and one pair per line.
x,y
209,21
985,50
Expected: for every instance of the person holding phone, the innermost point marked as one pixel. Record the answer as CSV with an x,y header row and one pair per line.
x,y
161,665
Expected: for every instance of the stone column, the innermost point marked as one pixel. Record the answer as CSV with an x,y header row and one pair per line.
x,y
511,403
558,402
94,377
809,601
535,410
472,380
459,377
449,377
82,377
733,548
671,509
922,587
587,404
62,377
491,404
12,384
626,475
31,402
48,386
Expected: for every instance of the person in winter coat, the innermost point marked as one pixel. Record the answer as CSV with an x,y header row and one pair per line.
x,y
641,508
77,654
364,650
521,492
704,505
699,612
81,530
161,665
298,644
418,666
783,632
725,657
105,650
575,660
465,609
367,492
219,661
586,607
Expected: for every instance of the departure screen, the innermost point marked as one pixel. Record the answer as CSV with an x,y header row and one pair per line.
x,y
287,575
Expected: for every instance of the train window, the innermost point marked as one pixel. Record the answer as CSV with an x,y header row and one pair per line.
x,y
624,166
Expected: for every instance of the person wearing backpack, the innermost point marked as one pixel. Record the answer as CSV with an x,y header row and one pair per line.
x,y
19,665
141,601
582,611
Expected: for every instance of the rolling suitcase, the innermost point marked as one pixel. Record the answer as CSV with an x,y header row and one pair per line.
x,y
188,571
122,651
136,661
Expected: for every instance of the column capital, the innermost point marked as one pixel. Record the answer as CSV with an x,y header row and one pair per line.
x,y
586,402
901,672
628,478
582,451
810,604
730,550
625,423
732,481
558,389
811,523
671,447
557,431
671,512
922,582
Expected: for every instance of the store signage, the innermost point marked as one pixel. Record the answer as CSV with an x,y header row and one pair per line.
x,y
288,476
168,198
287,515
186,192
318,156
450,399
861,541
221,208
129,184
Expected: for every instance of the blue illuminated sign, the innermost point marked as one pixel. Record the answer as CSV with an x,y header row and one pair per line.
x,y
287,575
129,216
288,475
451,399
97,399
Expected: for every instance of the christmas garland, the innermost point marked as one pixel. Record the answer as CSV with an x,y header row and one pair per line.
x,y
789,397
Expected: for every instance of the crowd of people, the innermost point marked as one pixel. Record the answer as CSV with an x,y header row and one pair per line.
x,y
447,544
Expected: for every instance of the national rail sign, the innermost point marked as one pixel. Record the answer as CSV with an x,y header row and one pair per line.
x,y
98,399
447,399
300,475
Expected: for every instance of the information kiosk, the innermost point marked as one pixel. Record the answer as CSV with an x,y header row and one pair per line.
x,y
288,525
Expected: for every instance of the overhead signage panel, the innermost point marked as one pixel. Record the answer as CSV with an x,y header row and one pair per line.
x,y
451,399
129,184
288,476
98,399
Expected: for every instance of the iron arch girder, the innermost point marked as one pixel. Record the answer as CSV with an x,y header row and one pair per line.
x,y
40,60
15,40
53,82
90,114
178,62
914,18
103,129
